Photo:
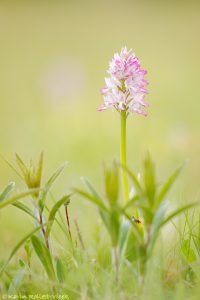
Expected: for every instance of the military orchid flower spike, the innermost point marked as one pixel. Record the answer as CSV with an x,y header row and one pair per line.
x,y
125,91
125,87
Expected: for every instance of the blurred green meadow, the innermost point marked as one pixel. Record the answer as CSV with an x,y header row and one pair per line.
x,y
53,60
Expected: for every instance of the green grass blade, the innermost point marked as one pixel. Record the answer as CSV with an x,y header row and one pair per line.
x,y
90,187
17,281
156,224
62,227
25,209
12,168
48,186
112,223
17,197
123,237
16,248
179,211
21,165
8,189
94,200
132,202
64,200
44,256
168,184
187,251
60,271
39,169
134,179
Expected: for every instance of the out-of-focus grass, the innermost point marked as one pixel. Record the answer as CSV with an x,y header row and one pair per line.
x,y
53,58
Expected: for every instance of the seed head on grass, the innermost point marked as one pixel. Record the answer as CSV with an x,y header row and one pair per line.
x,y
31,175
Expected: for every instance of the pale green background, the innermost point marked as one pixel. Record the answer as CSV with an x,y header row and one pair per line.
x,y
53,60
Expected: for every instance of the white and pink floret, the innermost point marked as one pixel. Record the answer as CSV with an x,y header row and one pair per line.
x,y
125,88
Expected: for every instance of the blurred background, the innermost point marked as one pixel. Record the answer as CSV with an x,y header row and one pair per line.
x,y
53,60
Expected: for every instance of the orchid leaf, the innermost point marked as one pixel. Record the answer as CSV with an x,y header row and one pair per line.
x,y
134,179
168,184
149,179
90,187
91,198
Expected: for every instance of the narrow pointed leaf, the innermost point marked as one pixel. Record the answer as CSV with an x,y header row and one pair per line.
x,y
111,179
22,166
48,186
17,281
112,222
124,233
39,169
156,225
25,209
16,248
149,179
132,202
134,179
168,184
179,211
8,189
64,200
90,187
187,251
17,197
60,270
44,256
12,167
91,198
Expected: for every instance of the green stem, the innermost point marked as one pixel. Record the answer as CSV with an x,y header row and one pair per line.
x,y
115,262
123,155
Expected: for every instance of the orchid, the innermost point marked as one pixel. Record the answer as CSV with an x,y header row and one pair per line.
x,y
125,89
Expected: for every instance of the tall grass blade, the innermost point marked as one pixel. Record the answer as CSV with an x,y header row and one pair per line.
x,y
8,189
90,187
48,186
12,168
17,281
16,248
17,197
44,256
39,169
25,209
21,166
91,198
64,200
123,237
60,271
179,211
